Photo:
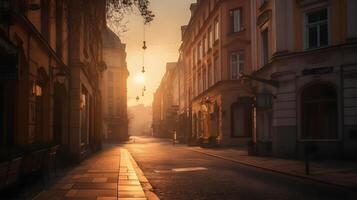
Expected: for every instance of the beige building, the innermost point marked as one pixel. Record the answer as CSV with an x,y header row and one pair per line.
x,y
306,52
114,89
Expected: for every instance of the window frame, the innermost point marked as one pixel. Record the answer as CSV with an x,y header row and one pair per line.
x,y
264,58
306,29
216,35
238,62
233,22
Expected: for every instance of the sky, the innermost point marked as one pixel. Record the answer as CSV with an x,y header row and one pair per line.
x,y
163,38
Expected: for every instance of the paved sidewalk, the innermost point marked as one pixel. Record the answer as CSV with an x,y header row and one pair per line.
x,y
336,172
109,175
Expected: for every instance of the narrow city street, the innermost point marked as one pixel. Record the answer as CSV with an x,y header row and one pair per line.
x,y
177,172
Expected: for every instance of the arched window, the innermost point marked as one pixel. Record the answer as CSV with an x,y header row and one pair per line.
x,y
319,112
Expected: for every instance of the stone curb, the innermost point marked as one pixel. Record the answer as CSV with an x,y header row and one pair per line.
x,y
147,187
277,171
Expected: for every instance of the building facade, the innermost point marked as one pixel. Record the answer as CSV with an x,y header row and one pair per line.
x,y
114,89
276,75
306,53
50,80
216,51
166,104
34,74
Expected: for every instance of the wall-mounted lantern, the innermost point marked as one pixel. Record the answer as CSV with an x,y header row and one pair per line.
x,y
82,101
36,90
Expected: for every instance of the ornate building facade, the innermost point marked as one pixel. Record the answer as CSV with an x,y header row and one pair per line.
x,y
52,57
114,89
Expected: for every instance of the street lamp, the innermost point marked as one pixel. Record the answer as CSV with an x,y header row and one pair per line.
x,y
144,45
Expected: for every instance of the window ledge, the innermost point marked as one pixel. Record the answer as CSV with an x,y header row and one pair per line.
x,y
242,30
316,48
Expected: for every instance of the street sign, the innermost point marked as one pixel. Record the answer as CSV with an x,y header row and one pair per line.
x,y
317,71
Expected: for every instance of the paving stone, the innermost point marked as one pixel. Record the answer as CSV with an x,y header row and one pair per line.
x,y
136,194
130,188
133,198
107,198
105,186
100,180
128,182
91,193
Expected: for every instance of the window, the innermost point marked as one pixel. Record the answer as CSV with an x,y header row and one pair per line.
x,y
210,37
199,49
210,75
199,79
216,70
237,64
204,79
205,46
194,85
194,59
216,29
236,20
319,112
317,29
265,47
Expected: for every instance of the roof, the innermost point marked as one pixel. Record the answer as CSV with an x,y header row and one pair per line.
x,y
111,40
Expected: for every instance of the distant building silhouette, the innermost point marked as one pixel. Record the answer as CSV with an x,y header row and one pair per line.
x,y
114,88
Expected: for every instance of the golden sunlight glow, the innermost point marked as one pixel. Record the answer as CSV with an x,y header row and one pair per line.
x,y
139,79
162,46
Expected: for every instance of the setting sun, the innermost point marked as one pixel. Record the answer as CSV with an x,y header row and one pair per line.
x,y
139,79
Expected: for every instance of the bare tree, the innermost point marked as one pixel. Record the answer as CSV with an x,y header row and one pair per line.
x,y
116,11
